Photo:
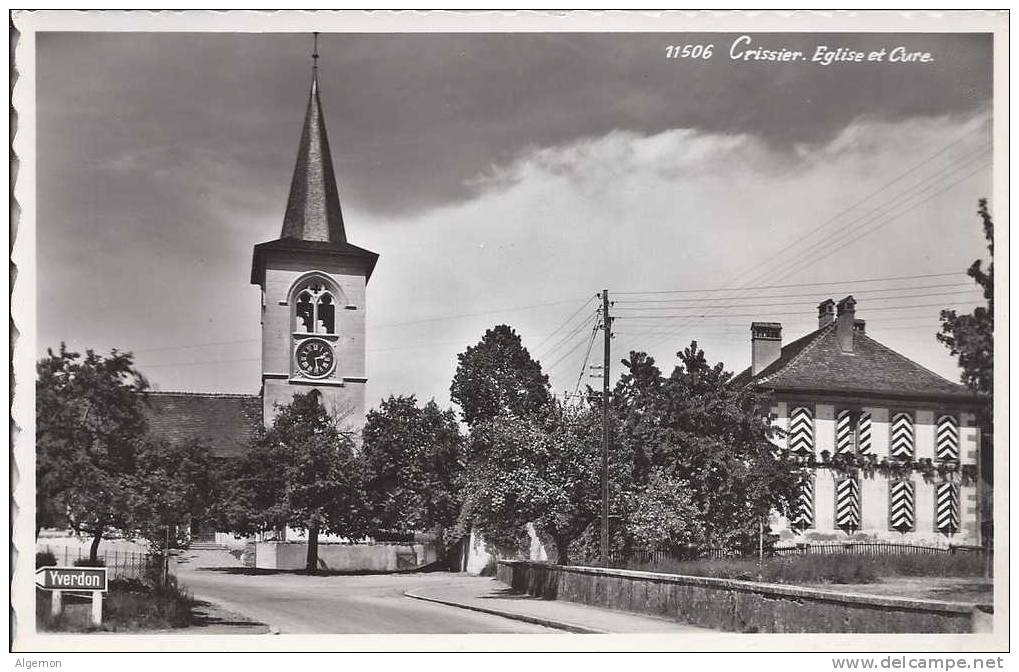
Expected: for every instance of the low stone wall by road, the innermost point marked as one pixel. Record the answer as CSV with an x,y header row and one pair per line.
x,y
374,557
741,606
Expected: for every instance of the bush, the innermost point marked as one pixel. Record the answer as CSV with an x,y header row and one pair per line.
x,y
45,559
86,562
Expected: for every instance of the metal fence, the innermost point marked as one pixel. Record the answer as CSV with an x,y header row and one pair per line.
x,y
871,548
119,564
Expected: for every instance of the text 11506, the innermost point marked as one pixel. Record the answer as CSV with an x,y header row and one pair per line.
x,y
689,51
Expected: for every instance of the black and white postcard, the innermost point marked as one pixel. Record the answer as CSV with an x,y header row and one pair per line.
x,y
536,331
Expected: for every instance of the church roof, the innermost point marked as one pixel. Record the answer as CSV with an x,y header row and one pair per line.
x,y
313,222
225,422
343,249
313,207
815,364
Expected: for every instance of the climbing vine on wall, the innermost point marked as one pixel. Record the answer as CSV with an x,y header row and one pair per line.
x,y
867,466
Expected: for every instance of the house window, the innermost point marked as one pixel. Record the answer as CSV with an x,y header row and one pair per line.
x,y
852,432
847,504
314,309
801,430
902,505
803,507
946,508
948,438
902,436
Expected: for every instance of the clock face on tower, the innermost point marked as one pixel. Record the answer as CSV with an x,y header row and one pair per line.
x,y
315,357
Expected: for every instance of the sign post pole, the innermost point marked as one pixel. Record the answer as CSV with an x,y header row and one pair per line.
x,y
56,603
97,608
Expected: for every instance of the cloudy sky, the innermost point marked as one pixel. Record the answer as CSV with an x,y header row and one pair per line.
x,y
506,179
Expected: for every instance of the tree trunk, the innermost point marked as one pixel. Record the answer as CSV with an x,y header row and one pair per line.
x,y
562,547
93,552
312,563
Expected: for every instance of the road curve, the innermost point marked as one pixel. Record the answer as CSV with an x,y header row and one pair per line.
x,y
367,604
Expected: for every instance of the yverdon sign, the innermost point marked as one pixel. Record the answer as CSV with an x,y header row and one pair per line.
x,y
71,578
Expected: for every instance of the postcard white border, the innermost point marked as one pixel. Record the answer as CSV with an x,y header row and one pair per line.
x,y
24,308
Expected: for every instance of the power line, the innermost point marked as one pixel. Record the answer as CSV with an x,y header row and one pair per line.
x,y
696,316
566,338
587,357
865,293
805,257
208,361
796,303
563,357
801,284
897,215
197,345
802,239
568,320
442,318
879,223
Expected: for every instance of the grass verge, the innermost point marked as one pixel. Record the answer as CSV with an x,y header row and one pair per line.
x,y
816,569
130,605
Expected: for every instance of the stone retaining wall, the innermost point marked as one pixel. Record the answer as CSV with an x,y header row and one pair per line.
x,y
741,606
374,557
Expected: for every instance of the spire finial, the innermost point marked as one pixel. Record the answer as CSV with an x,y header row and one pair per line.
x,y
314,62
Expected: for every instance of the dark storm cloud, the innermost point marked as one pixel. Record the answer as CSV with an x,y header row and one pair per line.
x,y
414,117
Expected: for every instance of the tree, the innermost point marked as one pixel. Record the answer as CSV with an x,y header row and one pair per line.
x,y
89,425
498,376
970,338
540,469
302,473
661,514
175,484
413,458
694,432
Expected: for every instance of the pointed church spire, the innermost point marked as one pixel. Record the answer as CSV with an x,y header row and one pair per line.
x,y
313,208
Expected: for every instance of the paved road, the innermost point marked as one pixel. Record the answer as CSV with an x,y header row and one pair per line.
x,y
341,604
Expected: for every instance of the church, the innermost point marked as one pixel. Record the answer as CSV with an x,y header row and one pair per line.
x,y
313,301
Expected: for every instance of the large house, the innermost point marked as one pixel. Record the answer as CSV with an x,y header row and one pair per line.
x,y
894,447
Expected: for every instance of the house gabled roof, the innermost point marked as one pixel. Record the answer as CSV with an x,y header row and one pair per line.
x,y
225,422
815,364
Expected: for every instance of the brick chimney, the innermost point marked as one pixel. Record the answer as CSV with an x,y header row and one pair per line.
x,y
846,323
860,326
765,345
825,313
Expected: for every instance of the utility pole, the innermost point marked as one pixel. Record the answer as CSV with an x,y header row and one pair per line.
x,y
607,326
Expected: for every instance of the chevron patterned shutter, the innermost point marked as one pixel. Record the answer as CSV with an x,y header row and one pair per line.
x,y
847,504
845,436
863,433
946,512
902,436
948,437
902,506
801,430
803,509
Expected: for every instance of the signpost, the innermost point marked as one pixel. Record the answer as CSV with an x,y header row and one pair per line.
x,y
78,579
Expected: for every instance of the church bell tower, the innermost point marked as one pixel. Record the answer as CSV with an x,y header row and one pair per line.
x,y
313,288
